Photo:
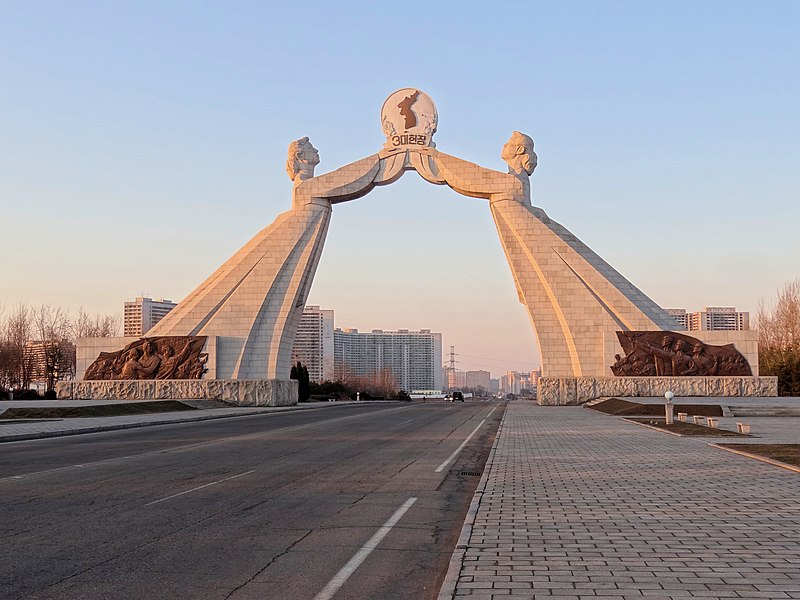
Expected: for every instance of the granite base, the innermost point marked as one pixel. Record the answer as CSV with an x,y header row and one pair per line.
x,y
242,392
560,391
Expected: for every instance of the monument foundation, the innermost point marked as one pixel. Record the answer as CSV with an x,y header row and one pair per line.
x,y
243,392
584,313
561,391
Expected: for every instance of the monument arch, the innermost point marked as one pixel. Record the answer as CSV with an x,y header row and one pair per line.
x,y
254,301
250,307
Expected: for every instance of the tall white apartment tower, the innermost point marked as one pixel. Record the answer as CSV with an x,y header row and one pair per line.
x,y
719,318
143,313
313,344
414,357
681,318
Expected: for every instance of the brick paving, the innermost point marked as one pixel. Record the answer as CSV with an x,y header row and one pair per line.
x,y
576,504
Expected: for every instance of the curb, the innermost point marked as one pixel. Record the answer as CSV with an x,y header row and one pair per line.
x,y
448,589
764,459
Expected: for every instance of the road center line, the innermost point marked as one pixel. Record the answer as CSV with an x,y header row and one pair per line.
x,y
199,488
459,449
359,557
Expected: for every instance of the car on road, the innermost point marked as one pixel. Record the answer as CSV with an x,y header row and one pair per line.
x,y
458,397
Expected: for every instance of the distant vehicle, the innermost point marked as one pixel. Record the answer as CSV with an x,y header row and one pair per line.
x,y
458,397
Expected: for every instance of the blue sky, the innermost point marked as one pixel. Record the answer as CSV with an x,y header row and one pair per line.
x,y
142,143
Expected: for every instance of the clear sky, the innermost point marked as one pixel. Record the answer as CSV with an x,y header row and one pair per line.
x,y
142,143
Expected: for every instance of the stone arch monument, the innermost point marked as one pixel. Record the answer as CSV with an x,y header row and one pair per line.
x,y
251,305
254,301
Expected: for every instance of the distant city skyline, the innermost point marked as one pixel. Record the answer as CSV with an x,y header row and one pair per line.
x,y
145,143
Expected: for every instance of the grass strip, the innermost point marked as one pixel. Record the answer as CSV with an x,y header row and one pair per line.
x,y
99,410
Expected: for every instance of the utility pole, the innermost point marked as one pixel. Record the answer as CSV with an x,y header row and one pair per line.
x,y
451,369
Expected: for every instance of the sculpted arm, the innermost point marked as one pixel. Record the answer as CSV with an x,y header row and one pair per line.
x,y
345,183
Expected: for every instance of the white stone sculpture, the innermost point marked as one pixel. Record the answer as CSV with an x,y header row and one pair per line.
x,y
253,302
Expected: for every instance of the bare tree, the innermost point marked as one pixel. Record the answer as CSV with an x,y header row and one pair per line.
x,y
84,326
19,327
779,339
53,348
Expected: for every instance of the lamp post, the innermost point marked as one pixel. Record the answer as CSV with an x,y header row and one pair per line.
x,y
668,407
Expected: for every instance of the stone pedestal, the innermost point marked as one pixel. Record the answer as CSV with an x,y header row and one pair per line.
x,y
559,391
243,392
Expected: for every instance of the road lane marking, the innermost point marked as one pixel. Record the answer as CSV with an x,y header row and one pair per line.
x,y
199,488
404,422
491,411
344,573
459,449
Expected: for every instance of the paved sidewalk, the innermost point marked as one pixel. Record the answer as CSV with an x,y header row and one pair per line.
x,y
577,504
17,431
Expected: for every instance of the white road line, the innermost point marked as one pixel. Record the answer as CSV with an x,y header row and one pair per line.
x,y
491,411
459,449
199,488
359,557
404,422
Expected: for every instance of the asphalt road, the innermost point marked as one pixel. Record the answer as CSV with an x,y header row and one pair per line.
x,y
363,501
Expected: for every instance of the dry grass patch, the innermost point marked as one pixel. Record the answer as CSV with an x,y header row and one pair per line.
x,y
786,453
100,410
682,428
623,408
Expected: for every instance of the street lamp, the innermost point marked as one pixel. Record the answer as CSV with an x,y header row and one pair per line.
x,y
668,407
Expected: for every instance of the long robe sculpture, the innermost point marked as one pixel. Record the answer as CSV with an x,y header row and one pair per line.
x,y
254,301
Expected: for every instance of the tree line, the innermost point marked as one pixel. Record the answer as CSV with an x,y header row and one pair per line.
x,y
37,343
779,339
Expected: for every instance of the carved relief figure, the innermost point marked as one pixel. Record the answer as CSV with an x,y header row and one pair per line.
x,y
644,358
152,358
132,366
148,364
710,366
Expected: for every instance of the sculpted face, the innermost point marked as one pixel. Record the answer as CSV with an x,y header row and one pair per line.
x,y
308,154
509,150
302,158
518,153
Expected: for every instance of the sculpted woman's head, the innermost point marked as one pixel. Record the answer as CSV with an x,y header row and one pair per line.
x,y
302,159
519,155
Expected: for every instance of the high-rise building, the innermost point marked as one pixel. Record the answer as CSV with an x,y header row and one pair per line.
x,y
514,381
719,318
413,357
50,359
143,313
313,344
681,318
711,318
477,379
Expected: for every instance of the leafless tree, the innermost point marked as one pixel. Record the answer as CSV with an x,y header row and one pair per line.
x,y
19,330
779,338
84,326
53,348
